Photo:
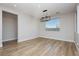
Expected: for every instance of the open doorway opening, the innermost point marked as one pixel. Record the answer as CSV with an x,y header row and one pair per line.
x,y
9,29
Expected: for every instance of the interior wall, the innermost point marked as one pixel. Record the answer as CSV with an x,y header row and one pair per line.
x,y
27,28
66,32
78,24
77,32
9,26
0,27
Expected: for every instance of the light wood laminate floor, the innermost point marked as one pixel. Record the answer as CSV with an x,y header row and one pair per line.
x,y
39,47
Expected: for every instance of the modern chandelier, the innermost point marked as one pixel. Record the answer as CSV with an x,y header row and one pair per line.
x,y
45,17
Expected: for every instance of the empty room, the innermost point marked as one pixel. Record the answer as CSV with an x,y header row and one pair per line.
x,y
39,29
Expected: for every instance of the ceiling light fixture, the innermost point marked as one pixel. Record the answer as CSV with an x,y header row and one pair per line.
x,y
45,17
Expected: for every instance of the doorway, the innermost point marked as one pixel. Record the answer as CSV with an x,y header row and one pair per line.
x,y
9,29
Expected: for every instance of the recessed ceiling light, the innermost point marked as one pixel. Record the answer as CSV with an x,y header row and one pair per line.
x,y
15,5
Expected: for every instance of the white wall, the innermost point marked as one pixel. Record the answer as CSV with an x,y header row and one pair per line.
x,y
0,27
77,28
77,32
27,26
78,19
66,32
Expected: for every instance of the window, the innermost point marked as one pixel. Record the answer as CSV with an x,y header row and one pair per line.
x,y
53,24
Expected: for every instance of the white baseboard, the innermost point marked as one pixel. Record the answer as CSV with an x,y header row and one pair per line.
x,y
9,39
58,39
0,44
21,40
77,46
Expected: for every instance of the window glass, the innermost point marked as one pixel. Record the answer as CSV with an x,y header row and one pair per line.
x,y
53,24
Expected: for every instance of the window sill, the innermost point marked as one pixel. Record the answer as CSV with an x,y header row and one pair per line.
x,y
52,29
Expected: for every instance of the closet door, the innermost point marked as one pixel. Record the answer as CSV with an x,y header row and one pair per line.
x,y
9,27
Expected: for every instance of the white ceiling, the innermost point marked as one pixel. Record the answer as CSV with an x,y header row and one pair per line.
x,y
35,9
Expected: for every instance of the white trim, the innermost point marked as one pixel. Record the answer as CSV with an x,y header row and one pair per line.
x,y
58,39
76,44
8,39
21,40
0,44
